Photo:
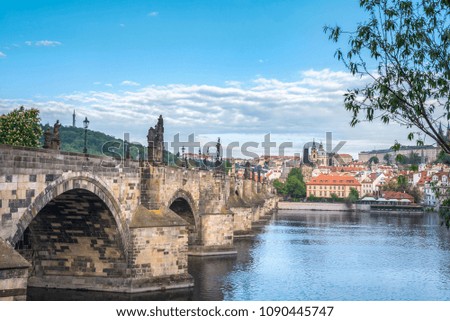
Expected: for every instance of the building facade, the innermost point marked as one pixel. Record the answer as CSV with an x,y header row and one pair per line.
x,y
427,153
326,185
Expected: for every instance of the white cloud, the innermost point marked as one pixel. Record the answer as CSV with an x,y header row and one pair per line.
x,y
153,14
2,55
130,83
109,85
122,25
43,43
47,43
296,111
233,83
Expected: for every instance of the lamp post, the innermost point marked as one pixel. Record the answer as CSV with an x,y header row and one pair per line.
x,y
86,124
183,157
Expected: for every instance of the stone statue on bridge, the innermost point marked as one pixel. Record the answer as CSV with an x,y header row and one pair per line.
x,y
247,171
52,140
219,161
56,140
155,139
47,138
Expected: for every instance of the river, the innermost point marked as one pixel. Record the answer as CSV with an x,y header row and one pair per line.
x,y
313,255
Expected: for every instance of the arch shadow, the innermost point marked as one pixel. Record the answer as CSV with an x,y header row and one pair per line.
x,y
183,204
65,184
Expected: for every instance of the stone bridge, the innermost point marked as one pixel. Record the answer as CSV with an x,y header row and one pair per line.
x,y
84,222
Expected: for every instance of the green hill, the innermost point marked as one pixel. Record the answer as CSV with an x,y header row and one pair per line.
x,y
98,143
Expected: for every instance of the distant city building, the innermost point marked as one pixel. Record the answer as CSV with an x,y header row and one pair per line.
x,y
318,156
432,183
346,158
397,196
427,153
326,185
367,187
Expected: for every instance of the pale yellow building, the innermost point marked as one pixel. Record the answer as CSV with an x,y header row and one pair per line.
x,y
326,185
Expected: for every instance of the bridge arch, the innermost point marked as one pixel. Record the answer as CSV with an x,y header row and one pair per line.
x,y
68,183
183,204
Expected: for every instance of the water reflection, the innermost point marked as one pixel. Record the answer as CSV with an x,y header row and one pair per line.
x,y
347,256
318,256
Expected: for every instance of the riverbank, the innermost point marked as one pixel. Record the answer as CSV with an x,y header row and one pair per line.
x,y
319,206
343,207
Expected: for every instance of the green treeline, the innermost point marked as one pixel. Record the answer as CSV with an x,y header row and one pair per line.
x,y
98,143
294,188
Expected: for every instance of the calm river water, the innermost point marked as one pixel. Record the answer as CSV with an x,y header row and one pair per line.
x,y
318,256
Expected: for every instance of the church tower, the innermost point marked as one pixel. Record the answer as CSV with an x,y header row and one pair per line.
x,y
321,155
314,154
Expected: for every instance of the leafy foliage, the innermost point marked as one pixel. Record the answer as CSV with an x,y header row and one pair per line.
x,y
412,158
402,182
279,186
353,196
443,158
403,49
444,213
401,185
374,160
336,198
294,187
21,127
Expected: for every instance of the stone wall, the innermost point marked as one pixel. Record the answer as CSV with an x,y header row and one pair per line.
x,y
167,254
320,206
30,175
159,256
243,217
13,274
217,230
206,192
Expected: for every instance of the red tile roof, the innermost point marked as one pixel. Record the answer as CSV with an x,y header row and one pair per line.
x,y
344,180
391,195
346,155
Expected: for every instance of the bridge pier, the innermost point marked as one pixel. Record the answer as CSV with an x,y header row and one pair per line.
x,y
253,209
13,274
217,236
158,257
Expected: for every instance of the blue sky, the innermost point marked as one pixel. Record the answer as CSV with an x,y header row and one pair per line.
x,y
234,68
